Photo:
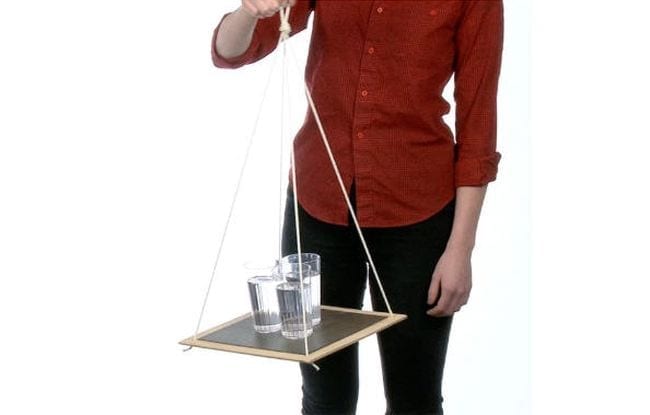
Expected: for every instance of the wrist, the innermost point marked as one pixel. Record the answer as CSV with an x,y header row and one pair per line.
x,y
245,15
464,247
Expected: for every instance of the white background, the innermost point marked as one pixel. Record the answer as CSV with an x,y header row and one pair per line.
x,y
119,149
590,207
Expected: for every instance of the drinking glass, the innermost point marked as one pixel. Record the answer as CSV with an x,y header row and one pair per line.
x,y
290,263
291,298
264,300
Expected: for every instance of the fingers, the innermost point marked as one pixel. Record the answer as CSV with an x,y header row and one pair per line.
x,y
268,8
264,8
450,301
446,305
434,290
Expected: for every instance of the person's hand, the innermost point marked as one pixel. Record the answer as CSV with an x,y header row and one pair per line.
x,y
264,8
451,282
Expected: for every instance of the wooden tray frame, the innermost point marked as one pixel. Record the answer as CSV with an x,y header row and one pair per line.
x,y
387,321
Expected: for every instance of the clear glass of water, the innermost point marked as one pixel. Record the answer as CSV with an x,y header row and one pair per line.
x,y
296,321
264,300
289,264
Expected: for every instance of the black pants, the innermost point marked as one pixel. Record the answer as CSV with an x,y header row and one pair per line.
x,y
413,351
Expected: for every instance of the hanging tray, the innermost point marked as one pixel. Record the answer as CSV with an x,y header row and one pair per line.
x,y
339,328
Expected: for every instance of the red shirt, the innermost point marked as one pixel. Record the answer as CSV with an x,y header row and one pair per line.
x,y
376,71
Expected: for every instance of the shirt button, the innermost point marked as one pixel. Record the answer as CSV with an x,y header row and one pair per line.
x,y
359,135
433,12
371,50
380,9
364,93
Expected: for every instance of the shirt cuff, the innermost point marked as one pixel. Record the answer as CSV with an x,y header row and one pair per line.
x,y
476,171
235,61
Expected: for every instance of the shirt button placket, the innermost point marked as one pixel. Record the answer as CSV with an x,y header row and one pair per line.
x,y
363,115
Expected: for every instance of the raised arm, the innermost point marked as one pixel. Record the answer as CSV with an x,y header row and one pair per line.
x,y
249,33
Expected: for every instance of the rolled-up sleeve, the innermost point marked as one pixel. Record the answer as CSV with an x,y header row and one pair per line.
x,y
479,44
265,36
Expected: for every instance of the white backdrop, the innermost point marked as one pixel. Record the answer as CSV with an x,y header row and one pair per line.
x,y
590,207
119,153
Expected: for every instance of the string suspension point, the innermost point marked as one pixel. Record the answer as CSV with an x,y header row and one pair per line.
x,y
285,27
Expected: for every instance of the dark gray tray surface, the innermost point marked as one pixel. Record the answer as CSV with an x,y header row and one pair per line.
x,y
335,325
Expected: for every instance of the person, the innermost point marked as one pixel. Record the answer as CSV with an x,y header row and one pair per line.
x,y
376,71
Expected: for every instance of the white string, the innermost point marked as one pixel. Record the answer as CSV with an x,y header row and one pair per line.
x,y
285,29
299,246
282,138
342,186
234,198
295,205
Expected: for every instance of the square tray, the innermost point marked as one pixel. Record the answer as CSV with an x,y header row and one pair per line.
x,y
339,328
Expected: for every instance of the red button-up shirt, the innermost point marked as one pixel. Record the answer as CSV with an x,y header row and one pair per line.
x,y
376,71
